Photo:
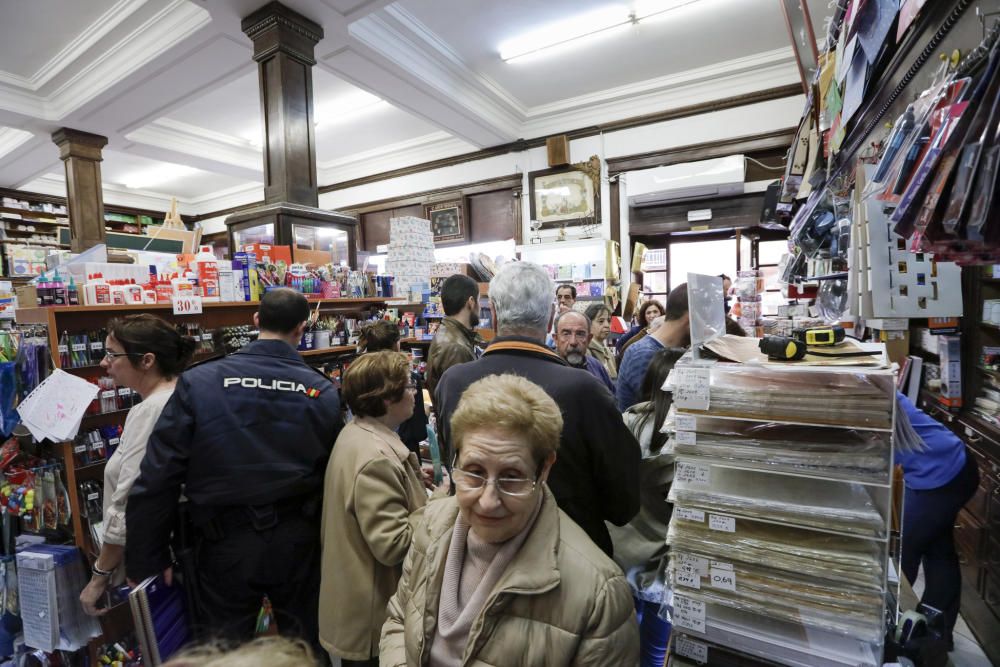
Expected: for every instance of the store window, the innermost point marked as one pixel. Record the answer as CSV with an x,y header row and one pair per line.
x,y
706,257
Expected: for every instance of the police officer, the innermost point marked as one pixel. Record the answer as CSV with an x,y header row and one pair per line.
x,y
248,436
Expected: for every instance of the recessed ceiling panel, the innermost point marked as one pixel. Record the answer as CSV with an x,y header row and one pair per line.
x,y
172,180
34,32
697,34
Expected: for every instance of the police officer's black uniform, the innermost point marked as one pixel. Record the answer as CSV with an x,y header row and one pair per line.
x,y
248,436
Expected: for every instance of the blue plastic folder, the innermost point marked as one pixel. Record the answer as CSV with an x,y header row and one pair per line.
x,y
161,621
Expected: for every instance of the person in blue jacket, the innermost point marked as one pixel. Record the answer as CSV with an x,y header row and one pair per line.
x,y
940,478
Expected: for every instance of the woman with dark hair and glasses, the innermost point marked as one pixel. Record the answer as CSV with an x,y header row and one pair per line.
x,y
145,354
496,574
373,484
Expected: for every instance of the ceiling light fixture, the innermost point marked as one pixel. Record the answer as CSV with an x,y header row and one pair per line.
x,y
157,175
570,32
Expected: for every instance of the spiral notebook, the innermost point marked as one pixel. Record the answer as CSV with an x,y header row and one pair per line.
x,y
161,621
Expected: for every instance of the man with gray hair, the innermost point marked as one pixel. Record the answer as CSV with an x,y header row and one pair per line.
x,y
596,475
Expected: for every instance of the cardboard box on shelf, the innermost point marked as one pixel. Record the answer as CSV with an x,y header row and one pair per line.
x,y
269,254
950,351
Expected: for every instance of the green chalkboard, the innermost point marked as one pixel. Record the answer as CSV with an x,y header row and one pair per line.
x,y
134,242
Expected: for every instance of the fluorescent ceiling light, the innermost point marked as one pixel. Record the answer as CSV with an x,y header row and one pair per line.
x,y
568,32
158,175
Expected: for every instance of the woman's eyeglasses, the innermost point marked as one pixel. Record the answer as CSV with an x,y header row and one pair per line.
x,y
511,486
111,356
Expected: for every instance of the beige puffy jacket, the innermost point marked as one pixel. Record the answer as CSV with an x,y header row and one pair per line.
x,y
372,486
560,602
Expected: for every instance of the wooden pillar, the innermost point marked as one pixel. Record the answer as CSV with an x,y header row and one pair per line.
x,y
283,46
81,153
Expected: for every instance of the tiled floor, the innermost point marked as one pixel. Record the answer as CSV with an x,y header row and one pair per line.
x,y
967,652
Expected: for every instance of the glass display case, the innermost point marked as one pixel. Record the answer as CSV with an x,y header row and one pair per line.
x,y
315,236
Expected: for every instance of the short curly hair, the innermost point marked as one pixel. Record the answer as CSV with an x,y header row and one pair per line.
x,y
374,378
511,404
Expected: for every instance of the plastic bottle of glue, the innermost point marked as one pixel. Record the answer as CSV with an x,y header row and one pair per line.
x,y
207,269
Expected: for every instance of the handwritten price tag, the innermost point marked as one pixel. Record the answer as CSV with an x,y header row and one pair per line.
x,y
691,390
187,305
689,514
726,524
699,564
724,579
689,613
686,422
694,474
689,648
689,579
688,438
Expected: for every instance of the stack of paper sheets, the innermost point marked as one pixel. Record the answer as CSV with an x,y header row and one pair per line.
x,y
781,501
837,559
797,501
809,395
829,452
56,407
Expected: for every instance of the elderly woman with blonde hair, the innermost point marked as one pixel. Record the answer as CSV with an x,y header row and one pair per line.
x,y
498,574
373,484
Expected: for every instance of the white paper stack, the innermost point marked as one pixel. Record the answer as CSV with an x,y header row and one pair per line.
x,y
779,539
411,252
56,407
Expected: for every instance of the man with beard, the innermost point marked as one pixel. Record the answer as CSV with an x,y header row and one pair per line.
x,y
573,337
456,341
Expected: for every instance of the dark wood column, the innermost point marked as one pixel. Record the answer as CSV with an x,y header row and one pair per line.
x,y
81,153
283,44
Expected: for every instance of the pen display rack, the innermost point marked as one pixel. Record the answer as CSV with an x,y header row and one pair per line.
x,y
782,493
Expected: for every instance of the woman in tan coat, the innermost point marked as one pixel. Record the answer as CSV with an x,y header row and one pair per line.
x,y
373,484
497,574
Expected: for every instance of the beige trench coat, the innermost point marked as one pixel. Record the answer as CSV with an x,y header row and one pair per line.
x,y
372,486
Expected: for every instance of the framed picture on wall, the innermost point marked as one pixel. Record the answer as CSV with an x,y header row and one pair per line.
x,y
447,220
563,197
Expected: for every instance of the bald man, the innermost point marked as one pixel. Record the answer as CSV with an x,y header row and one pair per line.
x,y
572,340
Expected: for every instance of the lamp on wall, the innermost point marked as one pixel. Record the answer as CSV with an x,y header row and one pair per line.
x,y
570,31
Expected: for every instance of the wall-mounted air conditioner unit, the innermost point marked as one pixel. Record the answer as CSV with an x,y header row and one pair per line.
x,y
707,179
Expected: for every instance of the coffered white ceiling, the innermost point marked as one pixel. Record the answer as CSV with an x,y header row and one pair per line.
x,y
171,82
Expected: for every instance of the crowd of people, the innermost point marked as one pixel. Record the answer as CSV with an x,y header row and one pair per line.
x,y
530,548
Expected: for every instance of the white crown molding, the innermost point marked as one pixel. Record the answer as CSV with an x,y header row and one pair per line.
x,y
727,79
177,20
426,148
709,74
55,184
172,23
448,56
193,140
11,138
403,42
79,45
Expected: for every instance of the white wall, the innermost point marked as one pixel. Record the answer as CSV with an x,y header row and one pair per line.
x,y
741,121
